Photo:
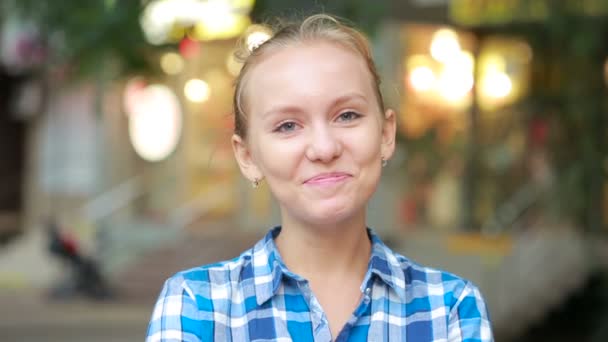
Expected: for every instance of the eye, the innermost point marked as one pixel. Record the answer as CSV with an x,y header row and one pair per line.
x,y
288,126
348,116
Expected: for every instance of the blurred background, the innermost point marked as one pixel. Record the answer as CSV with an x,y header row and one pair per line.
x,y
117,170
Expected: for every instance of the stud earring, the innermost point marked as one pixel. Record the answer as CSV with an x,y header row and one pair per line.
x,y
256,183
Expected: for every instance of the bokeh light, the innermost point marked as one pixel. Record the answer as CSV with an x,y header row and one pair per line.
x,y
455,83
197,90
155,123
256,36
172,63
164,21
219,22
496,85
422,78
445,45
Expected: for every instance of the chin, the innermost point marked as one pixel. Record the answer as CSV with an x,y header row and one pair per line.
x,y
325,212
330,215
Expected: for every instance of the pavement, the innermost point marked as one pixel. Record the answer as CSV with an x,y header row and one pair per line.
x,y
27,314
30,316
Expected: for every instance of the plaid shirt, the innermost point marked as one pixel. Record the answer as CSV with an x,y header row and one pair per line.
x,y
256,298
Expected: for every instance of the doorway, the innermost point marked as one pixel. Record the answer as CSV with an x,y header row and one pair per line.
x,y
12,149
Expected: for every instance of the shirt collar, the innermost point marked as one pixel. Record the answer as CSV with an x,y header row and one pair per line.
x,y
384,264
269,268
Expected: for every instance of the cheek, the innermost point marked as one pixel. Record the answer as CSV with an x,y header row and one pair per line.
x,y
276,159
365,145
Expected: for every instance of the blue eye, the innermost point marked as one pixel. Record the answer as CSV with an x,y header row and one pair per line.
x,y
348,116
286,127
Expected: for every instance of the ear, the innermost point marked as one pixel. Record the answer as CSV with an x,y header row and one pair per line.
x,y
389,130
243,157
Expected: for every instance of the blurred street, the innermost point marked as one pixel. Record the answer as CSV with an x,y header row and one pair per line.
x,y
117,168
29,315
25,317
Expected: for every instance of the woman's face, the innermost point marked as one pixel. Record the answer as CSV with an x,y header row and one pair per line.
x,y
315,132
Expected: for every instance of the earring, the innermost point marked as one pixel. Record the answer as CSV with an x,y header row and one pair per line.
x,y
256,183
384,162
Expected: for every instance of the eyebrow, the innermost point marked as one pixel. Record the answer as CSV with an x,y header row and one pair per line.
x,y
297,110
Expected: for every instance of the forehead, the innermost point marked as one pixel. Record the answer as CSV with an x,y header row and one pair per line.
x,y
307,71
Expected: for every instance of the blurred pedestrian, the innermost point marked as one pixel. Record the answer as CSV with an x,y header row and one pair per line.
x,y
310,122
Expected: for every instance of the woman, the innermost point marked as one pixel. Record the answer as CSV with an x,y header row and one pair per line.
x,y
310,122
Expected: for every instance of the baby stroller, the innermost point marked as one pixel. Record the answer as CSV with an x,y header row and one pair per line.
x,y
85,276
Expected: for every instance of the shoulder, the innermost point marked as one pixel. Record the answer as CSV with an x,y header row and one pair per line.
x,y
192,300
415,282
457,299
421,280
212,281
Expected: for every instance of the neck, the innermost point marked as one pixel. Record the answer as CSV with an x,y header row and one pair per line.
x,y
330,251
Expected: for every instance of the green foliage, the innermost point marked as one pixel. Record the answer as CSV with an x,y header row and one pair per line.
x,y
569,89
363,13
86,34
568,92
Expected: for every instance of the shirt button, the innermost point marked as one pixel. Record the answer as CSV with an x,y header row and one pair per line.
x,y
366,298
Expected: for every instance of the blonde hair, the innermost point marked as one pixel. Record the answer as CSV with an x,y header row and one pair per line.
x,y
318,27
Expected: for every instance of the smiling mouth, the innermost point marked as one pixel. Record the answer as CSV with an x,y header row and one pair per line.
x,y
328,178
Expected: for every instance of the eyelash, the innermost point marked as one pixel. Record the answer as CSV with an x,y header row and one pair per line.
x,y
352,114
282,128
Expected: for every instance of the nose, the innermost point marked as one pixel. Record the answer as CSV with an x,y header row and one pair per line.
x,y
324,145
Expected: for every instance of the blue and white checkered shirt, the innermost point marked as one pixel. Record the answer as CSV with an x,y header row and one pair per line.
x,y
256,298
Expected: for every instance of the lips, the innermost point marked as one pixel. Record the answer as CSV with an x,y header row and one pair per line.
x,y
327,178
